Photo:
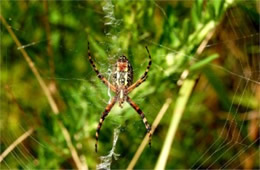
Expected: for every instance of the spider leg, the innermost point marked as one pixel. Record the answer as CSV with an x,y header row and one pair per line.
x,y
144,76
140,112
101,120
100,76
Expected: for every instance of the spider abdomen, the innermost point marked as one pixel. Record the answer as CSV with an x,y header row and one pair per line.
x,y
122,73
122,85
122,78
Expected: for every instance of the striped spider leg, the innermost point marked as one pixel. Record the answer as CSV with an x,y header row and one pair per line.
x,y
101,120
122,79
144,77
140,112
100,76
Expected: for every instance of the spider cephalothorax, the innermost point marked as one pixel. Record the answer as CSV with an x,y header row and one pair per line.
x,y
122,85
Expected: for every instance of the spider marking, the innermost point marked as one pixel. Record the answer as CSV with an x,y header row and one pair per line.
x,y
122,84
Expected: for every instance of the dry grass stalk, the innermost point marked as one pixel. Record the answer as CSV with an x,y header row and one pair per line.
x,y
146,138
181,102
15,143
33,68
47,94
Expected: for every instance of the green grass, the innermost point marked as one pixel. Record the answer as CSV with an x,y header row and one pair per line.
x,y
206,39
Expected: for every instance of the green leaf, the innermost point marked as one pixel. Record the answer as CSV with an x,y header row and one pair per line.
x,y
203,62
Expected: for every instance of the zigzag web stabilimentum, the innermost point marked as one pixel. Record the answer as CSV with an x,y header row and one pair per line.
x,y
231,135
113,50
106,161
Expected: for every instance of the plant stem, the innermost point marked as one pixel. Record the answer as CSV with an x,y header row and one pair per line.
x,y
47,93
33,68
15,143
146,138
181,102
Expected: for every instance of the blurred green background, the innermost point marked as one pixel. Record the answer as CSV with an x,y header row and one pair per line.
x,y
216,42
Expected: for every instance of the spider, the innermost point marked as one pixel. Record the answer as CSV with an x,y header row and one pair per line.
x,y
122,84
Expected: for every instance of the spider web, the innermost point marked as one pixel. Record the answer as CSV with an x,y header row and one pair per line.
x,y
235,135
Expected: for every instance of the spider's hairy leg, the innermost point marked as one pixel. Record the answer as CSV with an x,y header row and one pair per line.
x,y
101,120
144,76
140,112
100,76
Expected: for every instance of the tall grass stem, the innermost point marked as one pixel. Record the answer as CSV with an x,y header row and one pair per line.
x,y
181,102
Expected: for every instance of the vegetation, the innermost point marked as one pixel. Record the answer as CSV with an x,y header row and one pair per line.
x,y
203,83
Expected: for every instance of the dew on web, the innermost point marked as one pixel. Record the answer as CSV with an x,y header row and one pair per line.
x,y
30,44
27,45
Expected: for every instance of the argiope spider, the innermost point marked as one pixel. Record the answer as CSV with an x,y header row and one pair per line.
x,y
122,85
